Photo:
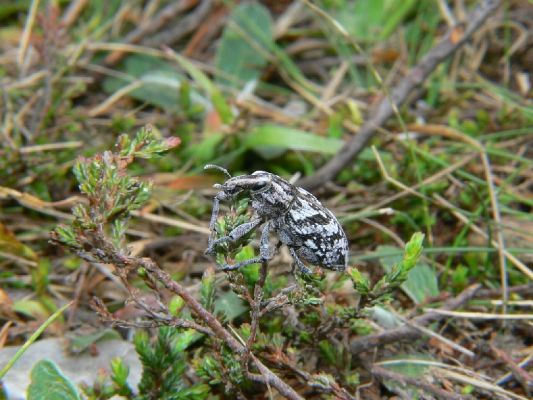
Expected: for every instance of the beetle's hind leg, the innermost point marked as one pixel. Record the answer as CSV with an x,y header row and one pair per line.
x,y
298,263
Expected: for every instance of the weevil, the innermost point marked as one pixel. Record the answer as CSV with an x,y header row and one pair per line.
x,y
309,230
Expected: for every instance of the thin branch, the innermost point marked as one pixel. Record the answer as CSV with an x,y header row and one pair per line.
x,y
98,306
266,375
522,376
385,109
255,306
407,332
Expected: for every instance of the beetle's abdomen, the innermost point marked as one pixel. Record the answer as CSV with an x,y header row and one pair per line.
x,y
314,233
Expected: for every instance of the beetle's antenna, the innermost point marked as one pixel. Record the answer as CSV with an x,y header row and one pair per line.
x,y
219,168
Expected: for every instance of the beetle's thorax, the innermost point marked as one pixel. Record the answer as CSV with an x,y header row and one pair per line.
x,y
275,199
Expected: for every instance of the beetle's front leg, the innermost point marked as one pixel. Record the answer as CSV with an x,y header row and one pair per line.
x,y
234,235
265,252
212,224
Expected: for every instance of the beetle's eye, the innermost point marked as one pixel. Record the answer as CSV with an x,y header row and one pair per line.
x,y
260,186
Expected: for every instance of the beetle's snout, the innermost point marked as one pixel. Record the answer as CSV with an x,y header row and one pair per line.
x,y
217,186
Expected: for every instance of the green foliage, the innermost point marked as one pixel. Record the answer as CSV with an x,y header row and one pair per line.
x,y
371,20
47,382
32,339
207,290
271,140
421,280
111,194
79,343
229,251
159,83
39,276
164,365
395,277
229,305
204,82
245,45
164,362
221,369
119,376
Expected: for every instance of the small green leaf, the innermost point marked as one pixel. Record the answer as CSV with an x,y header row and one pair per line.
x,y
175,305
328,352
421,281
218,100
270,139
11,245
39,276
78,344
249,272
159,83
185,339
66,235
207,290
48,382
119,376
31,308
230,305
245,45
361,283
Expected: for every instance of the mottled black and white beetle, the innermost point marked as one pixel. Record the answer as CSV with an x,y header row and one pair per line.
x,y
301,222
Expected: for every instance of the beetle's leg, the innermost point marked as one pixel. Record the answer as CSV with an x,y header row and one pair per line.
x,y
235,234
298,263
227,267
212,224
265,252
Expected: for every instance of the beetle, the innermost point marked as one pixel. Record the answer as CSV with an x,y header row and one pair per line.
x,y
309,230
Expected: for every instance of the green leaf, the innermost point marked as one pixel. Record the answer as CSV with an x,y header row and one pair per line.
x,y
245,44
249,272
269,140
159,83
78,344
48,382
175,305
207,290
120,372
372,20
329,352
397,12
206,150
218,100
31,308
361,282
421,283
39,276
185,339
413,369
196,392
11,245
230,304
421,280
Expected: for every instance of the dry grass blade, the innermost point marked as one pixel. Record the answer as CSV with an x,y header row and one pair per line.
x,y
495,390
479,315
399,94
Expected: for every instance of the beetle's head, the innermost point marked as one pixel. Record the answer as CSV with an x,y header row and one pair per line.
x,y
256,183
